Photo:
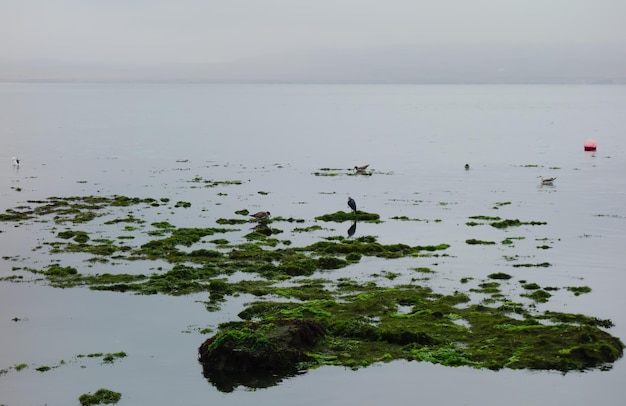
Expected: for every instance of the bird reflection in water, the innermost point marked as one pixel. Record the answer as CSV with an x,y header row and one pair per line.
x,y
263,229
352,229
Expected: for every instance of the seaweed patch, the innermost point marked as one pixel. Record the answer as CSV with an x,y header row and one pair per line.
x,y
303,313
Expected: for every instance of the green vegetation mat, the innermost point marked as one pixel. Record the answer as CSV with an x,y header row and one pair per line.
x,y
304,315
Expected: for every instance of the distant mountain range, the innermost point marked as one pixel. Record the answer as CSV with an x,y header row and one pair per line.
x,y
426,65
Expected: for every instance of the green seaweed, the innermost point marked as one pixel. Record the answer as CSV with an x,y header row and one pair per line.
x,y
487,218
12,215
111,357
515,223
307,229
578,290
540,265
473,241
223,221
429,332
214,183
538,295
101,396
500,275
509,240
362,322
487,288
341,216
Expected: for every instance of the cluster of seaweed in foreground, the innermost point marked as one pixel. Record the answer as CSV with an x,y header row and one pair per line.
x,y
303,318
359,328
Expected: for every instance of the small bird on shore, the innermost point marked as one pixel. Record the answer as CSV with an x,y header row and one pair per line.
x,y
547,181
352,204
361,169
467,167
261,215
16,162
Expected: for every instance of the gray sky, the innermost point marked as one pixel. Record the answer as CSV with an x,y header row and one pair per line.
x,y
204,31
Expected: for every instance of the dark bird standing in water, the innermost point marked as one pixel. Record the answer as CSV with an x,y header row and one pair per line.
x,y
467,167
261,215
352,204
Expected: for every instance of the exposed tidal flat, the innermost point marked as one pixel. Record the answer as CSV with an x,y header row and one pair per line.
x,y
151,255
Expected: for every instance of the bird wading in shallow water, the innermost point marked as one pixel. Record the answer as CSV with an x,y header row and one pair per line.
x,y
352,204
16,162
547,181
467,167
261,215
361,169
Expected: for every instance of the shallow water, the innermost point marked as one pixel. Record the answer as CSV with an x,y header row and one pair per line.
x,y
152,140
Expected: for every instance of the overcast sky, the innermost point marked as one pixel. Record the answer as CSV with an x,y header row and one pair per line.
x,y
205,31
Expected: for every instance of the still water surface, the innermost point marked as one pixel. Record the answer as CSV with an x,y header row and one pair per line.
x,y
149,140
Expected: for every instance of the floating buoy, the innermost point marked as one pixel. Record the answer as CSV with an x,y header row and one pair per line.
x,y
590,145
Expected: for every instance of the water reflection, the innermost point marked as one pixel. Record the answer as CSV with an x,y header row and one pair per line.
x,y
546,186
263,229
352,229
229,381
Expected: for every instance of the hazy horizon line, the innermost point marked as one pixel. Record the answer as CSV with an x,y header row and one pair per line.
x,y
395,65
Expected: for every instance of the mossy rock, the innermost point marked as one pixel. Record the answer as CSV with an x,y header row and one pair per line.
x,y
499,275
101,396
248,353
364,327
341,216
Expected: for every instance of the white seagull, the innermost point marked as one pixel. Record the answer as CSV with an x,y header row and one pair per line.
x,y
547,181
361,169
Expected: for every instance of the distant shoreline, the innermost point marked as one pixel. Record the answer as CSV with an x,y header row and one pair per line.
x,y
598,82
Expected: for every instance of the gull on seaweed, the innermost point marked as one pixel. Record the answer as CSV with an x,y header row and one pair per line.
x,y
361,169
261,215
547,181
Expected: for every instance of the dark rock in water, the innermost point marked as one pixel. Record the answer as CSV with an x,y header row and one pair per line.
x,y
258,354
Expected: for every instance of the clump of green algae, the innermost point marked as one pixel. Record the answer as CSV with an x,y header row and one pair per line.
x,y
101,396
363,326
362,322
497,222
341,216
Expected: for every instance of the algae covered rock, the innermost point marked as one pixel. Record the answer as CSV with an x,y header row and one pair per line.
x,y
341,216
101,396
258,354
371,324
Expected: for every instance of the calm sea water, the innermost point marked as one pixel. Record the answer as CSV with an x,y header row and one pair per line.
x,y
151,140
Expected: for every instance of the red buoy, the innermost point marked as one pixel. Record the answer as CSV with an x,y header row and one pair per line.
x,y
590,145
